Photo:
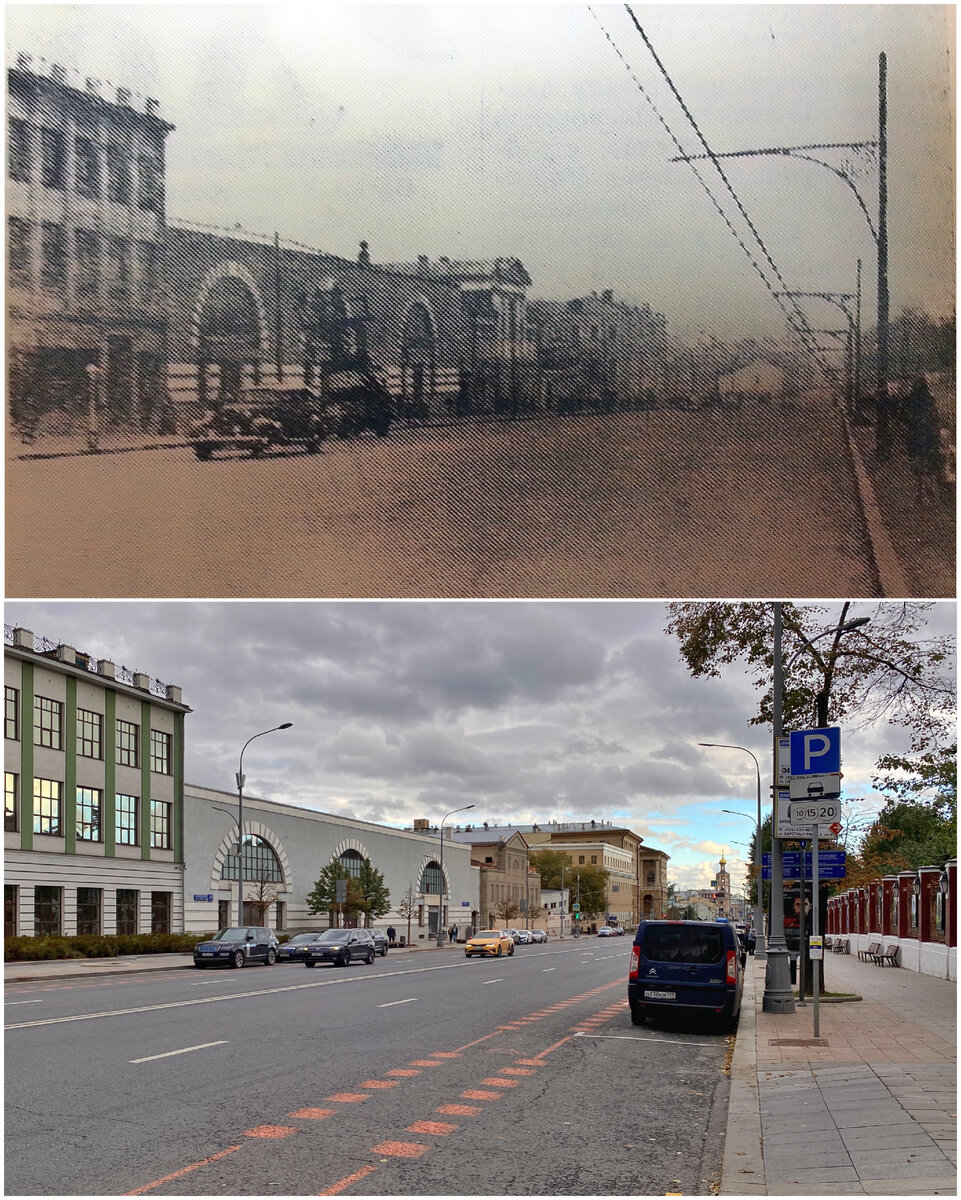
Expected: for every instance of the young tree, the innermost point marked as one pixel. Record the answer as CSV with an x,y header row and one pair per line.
x,y
375,894
507,911
264,893
548,864
589,887
323,898
885,671
408,906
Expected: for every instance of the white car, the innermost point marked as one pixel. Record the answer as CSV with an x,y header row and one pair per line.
x,y
538,935
522,937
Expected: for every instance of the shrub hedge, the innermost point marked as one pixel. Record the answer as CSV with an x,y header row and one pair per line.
x,y
93,945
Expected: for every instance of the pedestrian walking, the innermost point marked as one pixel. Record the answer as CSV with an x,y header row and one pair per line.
x,y
922,437
751,940
391,934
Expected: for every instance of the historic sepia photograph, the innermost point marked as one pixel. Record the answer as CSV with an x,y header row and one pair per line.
x,y
480,300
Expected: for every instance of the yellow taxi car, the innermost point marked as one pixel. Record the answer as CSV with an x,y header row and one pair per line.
x,y
489,943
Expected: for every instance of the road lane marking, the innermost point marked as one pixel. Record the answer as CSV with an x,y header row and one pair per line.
x,y
393,1002
400,1149
341,1184
148,1187
270,1131
171,1053
487,981
546,969
10,1003
627,1037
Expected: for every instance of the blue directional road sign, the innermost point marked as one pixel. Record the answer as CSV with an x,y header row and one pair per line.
x,y
816,751
825,871
794,857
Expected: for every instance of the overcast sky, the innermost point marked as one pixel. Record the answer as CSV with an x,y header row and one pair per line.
x,y
530,711
480,130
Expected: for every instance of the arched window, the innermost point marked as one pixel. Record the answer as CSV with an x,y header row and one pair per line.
x,y
431,881
352,861
260,862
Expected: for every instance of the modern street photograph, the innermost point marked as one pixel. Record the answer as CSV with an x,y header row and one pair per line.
x,y
470,301
548,898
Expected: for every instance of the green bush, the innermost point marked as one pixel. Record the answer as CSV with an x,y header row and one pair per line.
x,y
33,949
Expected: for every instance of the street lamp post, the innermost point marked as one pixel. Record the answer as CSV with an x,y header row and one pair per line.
x,y
778,996
240,819
440,901
759,951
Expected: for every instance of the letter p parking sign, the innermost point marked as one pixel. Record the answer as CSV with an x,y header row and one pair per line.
x,y
816,752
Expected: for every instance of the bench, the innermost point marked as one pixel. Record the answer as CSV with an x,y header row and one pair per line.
x,y
868,954
841,946
889,954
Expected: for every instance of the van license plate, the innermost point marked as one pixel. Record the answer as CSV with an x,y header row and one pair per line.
x,y
649,995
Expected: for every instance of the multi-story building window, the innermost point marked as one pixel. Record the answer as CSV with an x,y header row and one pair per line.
x,y
118,175
88,168
149,269
88,909
160,744
430,881
11,713
89,733
128,910
19,257
160,908
47,806
89,804
47,904
128,820
52,158
11,903
150,184
53,259
11,799
87,256
118,268
128,744
19,149
47,723
161,831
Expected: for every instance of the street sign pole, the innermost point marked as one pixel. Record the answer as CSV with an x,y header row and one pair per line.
x,y
801,931
815,930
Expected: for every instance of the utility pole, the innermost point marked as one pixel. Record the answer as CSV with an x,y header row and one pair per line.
x,y
883,413
778,996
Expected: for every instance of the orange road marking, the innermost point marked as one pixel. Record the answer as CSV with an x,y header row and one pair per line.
x,y
379,1083
403,1072
400,1149
516,1071
550,1049
270,1131
477,1041
313,1114
426,1062
505,1083
335,1188
474,1094
183,1171
530,1062
445,1054
459,1110
346,1098
441,1128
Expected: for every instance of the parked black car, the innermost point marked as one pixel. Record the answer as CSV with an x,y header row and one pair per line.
x,y
293,950
340,947
262,418
380,941
356,401
238,946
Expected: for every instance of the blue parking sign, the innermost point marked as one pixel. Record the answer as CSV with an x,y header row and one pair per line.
x,y
816,752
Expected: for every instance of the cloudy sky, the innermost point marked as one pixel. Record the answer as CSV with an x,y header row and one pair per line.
x,y
545,132
531,711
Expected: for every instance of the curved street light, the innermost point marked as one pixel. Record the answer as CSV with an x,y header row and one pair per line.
x,y
759,950
241,779
443,880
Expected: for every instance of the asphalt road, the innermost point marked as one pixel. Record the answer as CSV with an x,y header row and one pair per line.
x,y
756,502
419,1075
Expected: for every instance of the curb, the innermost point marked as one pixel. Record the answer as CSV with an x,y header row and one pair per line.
x,y
742,1168
891,579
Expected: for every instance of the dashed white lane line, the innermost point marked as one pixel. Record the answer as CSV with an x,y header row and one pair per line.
x,y
10,1003
626,1037
544,970
393,1002
487,981
171,1053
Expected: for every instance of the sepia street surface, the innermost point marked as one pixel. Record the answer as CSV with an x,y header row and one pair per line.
x,y
670,503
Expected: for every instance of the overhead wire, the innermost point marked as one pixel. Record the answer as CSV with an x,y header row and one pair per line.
x,y
796,319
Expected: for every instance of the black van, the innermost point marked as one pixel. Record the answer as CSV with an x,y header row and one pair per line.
x,y
685,966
